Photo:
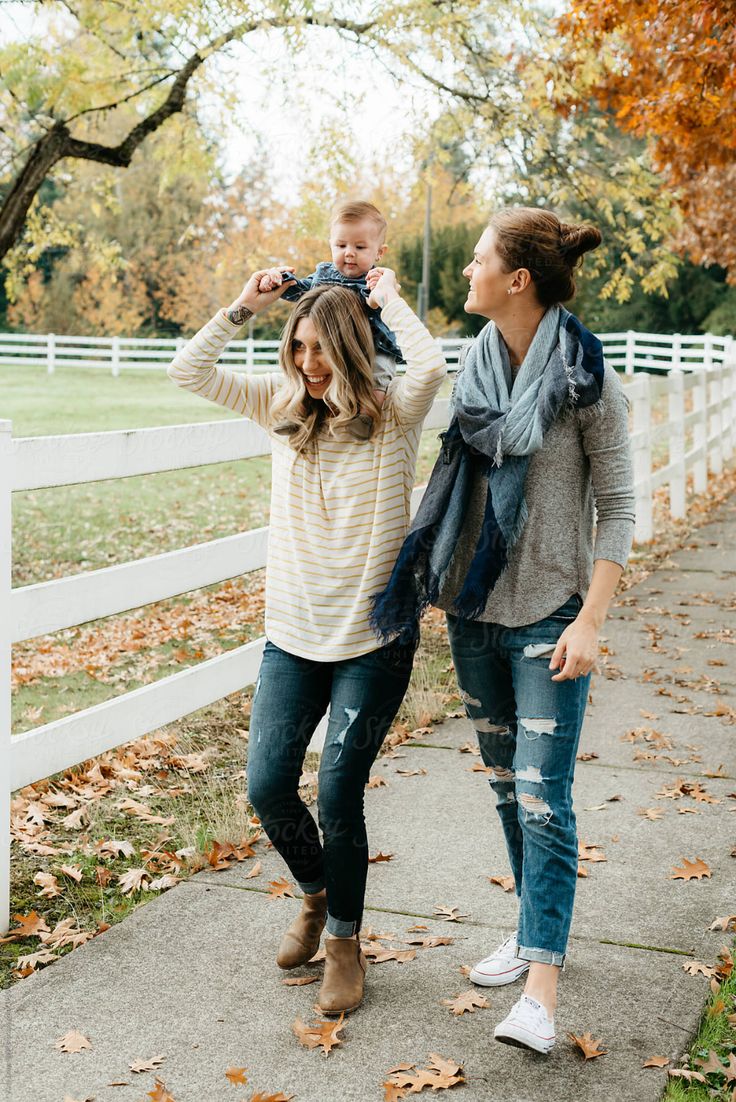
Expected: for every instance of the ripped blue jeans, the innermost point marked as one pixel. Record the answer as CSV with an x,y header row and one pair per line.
x,y
292,695
528,729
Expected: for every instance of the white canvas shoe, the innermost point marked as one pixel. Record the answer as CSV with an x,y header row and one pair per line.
x,y
501,967
527,1025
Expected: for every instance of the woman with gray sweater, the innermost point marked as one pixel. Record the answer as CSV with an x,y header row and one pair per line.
x,y
506,541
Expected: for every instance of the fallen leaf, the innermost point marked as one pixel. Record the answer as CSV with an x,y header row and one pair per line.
x,y
723,923
379,955
160,1093
412,772
259,1096
29,925
377,782
280,889
467,1003
691,870
449,914
73,1041
299,981
656,1062
139,1066
685,1073
696,967
589,1047
652,813
320,1034
72,871
506,882
134,880
48,885
236,1075
380,857
255,871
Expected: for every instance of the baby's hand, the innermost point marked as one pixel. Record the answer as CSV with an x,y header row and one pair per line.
x,y
272,279
383,286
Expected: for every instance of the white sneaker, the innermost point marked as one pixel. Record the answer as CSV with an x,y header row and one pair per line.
x,y
501,967
527,1025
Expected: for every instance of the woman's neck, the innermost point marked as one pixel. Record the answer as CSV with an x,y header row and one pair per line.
x,y
517,328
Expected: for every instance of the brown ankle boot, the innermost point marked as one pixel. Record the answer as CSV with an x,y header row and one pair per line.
x,y
301,940
342,986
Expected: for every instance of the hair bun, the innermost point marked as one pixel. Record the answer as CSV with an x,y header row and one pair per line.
x,y
578,239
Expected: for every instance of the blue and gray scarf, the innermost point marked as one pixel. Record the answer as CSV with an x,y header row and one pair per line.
x,y
498,423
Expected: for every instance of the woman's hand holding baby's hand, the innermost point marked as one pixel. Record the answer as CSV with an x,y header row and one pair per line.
x,y
263,288
383,286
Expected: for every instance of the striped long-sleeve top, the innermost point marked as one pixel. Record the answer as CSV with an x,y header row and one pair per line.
x,y
340,510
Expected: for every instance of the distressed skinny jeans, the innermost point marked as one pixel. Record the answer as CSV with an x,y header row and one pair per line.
x,y
292,694
528,729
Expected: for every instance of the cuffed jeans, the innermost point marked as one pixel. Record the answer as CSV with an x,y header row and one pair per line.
x,y
528,729
292,694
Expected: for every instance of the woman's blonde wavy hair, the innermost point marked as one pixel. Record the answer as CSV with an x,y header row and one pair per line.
x,y
347,344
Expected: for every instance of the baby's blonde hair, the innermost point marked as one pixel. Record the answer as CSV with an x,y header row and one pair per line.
x,y
347,344
355,210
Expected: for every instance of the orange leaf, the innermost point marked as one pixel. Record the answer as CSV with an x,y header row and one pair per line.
x,y
467,1003
656,1062
321,1034
279,889
589,1047
236,1075
691,870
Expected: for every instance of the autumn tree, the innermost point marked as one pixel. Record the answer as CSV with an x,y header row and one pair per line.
x,y
667,70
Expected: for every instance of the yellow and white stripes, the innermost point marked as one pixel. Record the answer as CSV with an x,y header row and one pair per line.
x,y
339,512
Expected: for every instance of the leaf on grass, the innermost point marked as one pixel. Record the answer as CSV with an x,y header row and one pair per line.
x,y
72,871
711,1065
31,925
113,848
656,1062
380,856
73,1041
589,1047
280,889
299,981
449,914
320,1034
48,885
146,1065
28,963
134,880
467,1003
236,1075
686,1073
163,883
691,870
506,882
142,811
66,932
696,967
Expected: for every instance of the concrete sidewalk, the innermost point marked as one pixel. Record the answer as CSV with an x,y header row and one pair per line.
x,y
192,976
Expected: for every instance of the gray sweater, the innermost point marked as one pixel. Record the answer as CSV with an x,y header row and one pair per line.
x,y
583,467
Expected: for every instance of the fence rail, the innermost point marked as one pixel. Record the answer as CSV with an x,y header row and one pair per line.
x,y
628,352
698,435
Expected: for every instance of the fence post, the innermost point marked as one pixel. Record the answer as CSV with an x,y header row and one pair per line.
x,y
676,384
630,352
677,351
700,433
644,530
115,356
50,353
6,483
708,351
728,430
715,421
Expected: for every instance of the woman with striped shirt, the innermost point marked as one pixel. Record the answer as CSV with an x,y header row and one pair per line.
x,y
339,514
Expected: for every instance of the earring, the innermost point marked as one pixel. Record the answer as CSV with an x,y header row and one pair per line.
x,y
509,291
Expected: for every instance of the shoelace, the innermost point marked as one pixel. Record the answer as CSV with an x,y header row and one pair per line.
x,y
540,1018
507,948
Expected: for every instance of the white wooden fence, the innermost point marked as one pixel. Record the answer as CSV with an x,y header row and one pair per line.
x,y
699,440
628,352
